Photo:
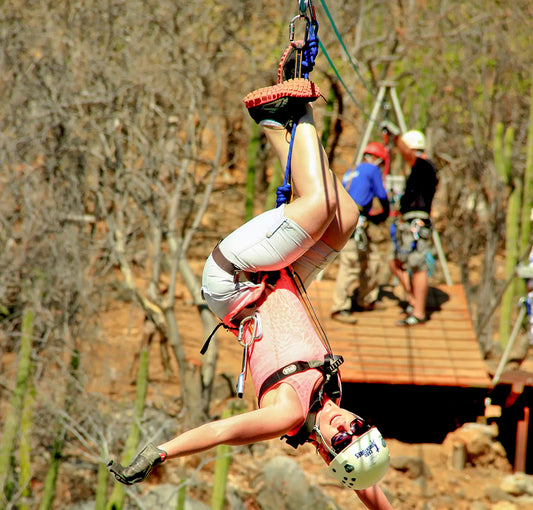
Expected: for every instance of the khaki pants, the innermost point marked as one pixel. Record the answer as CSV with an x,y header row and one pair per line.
x,y
359,270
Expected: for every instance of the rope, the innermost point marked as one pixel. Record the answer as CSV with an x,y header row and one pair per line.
x,y
357,103
311,312
334,26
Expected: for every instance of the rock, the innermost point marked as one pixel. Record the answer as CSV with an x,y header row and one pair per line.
x,y
414,467
282,484
165,496
477,443
504,505
161,496
495,494
517,484
477,505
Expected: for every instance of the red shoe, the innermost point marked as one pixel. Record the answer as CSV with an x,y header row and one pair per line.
x,y
283,103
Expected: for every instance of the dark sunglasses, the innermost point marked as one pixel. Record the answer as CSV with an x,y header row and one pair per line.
x,y
343,438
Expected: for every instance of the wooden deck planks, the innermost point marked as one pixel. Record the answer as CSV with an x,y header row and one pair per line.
x,y
443,352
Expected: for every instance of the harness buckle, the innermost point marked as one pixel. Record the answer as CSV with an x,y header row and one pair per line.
x,y
335,362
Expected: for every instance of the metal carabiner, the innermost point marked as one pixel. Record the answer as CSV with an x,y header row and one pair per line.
x,y
291,27
416,225
256,334
256,331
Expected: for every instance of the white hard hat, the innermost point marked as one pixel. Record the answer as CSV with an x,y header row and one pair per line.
x,y
414,140
363,462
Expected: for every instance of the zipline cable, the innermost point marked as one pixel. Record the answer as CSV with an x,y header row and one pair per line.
x,y
357,103
339,37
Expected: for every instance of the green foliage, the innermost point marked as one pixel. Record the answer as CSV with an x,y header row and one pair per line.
x,y
275,181
327,118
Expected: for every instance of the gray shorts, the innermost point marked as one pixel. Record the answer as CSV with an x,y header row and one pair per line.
x,y
411,251
268,242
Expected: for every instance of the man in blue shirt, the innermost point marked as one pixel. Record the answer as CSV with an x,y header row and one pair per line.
x,y
359,260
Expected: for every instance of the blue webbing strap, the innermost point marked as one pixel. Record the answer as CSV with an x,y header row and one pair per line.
x,y
284,191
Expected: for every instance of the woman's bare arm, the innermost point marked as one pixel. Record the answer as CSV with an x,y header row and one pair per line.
x,y
281,414
374,498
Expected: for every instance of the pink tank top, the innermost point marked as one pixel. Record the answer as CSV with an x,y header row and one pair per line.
x,y
288,335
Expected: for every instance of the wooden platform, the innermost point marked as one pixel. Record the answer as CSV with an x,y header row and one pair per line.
x,y
443,352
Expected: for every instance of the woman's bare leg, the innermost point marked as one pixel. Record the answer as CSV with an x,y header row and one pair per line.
x,y
314,185
343,224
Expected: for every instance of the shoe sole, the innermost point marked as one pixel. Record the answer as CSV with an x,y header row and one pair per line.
x,y
405,322
284,61
297,88
344,319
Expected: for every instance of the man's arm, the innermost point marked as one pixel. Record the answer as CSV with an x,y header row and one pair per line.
x,y
382,215
408,154
391,130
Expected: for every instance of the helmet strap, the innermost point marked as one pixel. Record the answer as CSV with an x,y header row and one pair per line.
x,y
320,438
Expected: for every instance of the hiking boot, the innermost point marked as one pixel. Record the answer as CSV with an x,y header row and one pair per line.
x,y
140,467
284,103
411,320
344,316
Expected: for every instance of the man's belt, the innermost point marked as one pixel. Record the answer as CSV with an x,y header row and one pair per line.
x,y
411,215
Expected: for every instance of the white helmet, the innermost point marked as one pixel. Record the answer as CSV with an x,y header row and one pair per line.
x,y
363,462
414,140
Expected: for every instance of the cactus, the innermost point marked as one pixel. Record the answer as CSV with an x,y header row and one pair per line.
x,y
527,196
180,498
224,460
116,501
13,419
26,426
102,480
503,162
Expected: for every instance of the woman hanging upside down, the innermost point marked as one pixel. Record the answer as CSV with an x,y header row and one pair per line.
x,y
249,281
